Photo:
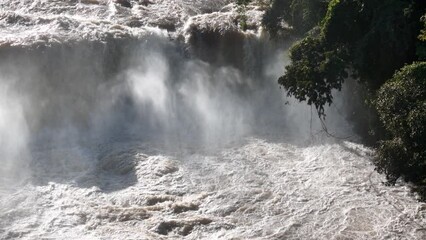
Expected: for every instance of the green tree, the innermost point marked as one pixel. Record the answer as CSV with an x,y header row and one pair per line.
x,y
401,103
314,72
370,39
421,46
300,15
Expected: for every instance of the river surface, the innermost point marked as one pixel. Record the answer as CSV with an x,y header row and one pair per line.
x,y
161,119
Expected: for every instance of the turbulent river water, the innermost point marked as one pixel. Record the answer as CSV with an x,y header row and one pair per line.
x,y
161,119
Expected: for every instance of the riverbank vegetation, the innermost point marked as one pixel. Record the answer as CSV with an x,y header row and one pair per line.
x,y
380,43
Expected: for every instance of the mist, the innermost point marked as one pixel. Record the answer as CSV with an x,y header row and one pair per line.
x,y
14,135
82,96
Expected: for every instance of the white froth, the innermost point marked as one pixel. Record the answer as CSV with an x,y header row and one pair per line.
x,y
258,189
24,22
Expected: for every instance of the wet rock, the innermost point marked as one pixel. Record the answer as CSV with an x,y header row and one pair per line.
x,y
145,2
169,26
124,3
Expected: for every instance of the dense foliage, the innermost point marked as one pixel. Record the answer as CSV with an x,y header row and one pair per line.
x,y
369,39
315,71
300,15
401,103
421,47
372,41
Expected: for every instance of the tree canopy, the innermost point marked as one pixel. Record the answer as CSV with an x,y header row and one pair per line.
x,y
381,43
366,39
401,104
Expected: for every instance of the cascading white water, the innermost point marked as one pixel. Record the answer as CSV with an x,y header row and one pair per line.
x,y
112,128
13,134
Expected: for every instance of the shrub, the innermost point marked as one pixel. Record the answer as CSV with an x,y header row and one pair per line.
x,y
401,104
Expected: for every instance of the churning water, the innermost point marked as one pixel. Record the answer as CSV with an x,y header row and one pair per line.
x,y
160,119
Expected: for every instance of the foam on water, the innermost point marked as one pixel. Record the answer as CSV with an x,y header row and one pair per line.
x,y
46,22
258,189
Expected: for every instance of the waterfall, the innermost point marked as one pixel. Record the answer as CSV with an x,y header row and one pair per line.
x,y
165,120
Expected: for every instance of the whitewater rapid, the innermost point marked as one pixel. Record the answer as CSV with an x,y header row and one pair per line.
x,y
258,189
163,120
